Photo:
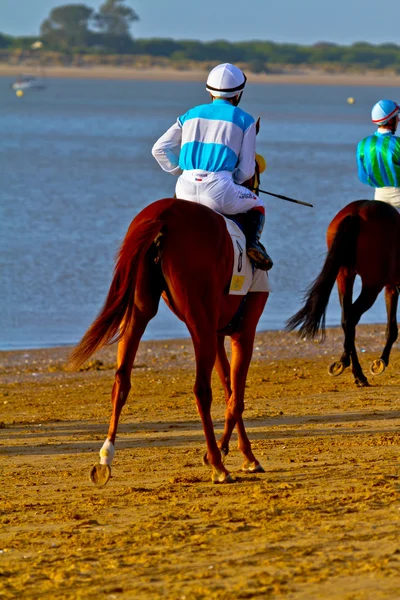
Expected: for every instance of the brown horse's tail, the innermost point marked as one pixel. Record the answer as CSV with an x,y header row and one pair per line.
x,y
342,252
110,324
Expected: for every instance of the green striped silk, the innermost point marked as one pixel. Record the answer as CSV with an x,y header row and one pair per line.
x,y
378,159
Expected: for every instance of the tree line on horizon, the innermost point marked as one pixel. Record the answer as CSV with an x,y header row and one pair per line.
x,y
73,30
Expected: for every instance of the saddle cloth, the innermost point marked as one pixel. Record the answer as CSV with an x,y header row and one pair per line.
x,y
243,279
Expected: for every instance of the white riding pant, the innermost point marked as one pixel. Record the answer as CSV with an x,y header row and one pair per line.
x,y
217,191
391,195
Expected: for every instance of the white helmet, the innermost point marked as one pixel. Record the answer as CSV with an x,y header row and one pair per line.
x,y
226,81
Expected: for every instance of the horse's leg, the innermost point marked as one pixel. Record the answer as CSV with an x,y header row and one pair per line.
x,y
127,349
391,300
222,367
364,301
223,370
147,297
205,346
242,350
345,284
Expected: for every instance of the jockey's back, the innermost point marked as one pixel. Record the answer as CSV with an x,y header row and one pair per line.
x,y
378,155
212,150
378,159
213,136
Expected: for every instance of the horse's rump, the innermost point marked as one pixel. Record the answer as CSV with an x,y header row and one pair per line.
x,y
375,230
173,247
195,241
363,239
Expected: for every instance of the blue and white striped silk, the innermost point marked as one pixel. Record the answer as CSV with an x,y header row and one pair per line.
x,y
211,137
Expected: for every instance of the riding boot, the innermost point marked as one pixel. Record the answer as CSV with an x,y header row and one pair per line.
x,y
255,250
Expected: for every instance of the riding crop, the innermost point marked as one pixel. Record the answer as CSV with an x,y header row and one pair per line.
x,y
283,197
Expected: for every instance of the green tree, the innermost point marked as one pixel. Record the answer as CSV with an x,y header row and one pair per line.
x,y
5,41
68,25
115,18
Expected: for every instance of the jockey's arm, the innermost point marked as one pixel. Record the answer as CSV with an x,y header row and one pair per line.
x,y
396,158
166,150
362,173
247,156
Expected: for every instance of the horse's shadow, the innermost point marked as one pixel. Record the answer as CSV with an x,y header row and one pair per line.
x,y
190,432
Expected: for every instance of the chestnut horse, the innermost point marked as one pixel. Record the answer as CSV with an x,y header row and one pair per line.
x,y
363,239
180,251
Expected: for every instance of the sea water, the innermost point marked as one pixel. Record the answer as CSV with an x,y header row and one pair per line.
x,y
76,167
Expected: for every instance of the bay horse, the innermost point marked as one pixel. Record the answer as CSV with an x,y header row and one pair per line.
x,y
180,251
363,239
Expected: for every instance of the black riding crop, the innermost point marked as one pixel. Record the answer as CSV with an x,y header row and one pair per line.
x,y
283,197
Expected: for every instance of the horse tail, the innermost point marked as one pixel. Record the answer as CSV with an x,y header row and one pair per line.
x,y
342,252
110,324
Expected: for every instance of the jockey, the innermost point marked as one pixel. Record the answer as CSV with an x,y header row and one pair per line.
x,y
212,150
378,155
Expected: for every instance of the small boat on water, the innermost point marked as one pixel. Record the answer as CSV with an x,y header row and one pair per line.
x,y
28,82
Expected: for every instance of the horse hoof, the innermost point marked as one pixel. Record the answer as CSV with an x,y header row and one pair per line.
x,y
362,383
219,477
100,475
378,366
336,368
252,467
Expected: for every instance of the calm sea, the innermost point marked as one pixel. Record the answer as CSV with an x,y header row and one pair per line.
x,y
76,167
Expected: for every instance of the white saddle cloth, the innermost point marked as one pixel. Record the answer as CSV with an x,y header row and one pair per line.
x,y
243,280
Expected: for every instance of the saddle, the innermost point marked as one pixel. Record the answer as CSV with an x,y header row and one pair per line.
x,y
245,278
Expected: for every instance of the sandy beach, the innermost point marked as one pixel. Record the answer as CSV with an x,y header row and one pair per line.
x,y
306,77
323,520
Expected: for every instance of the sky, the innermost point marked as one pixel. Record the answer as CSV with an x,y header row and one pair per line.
x,y
291,21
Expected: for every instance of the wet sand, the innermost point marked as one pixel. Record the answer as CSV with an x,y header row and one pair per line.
x,y
323,521
304,77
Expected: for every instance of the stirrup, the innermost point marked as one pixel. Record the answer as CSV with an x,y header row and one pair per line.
x,y
260,259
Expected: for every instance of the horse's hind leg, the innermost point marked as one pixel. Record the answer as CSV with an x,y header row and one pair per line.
x,y
127,349
242,350
345,285
351,314
205,347
391,300
223,367
223,370
147,297
364,301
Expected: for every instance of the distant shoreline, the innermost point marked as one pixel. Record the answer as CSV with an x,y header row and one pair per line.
x,y
169,74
